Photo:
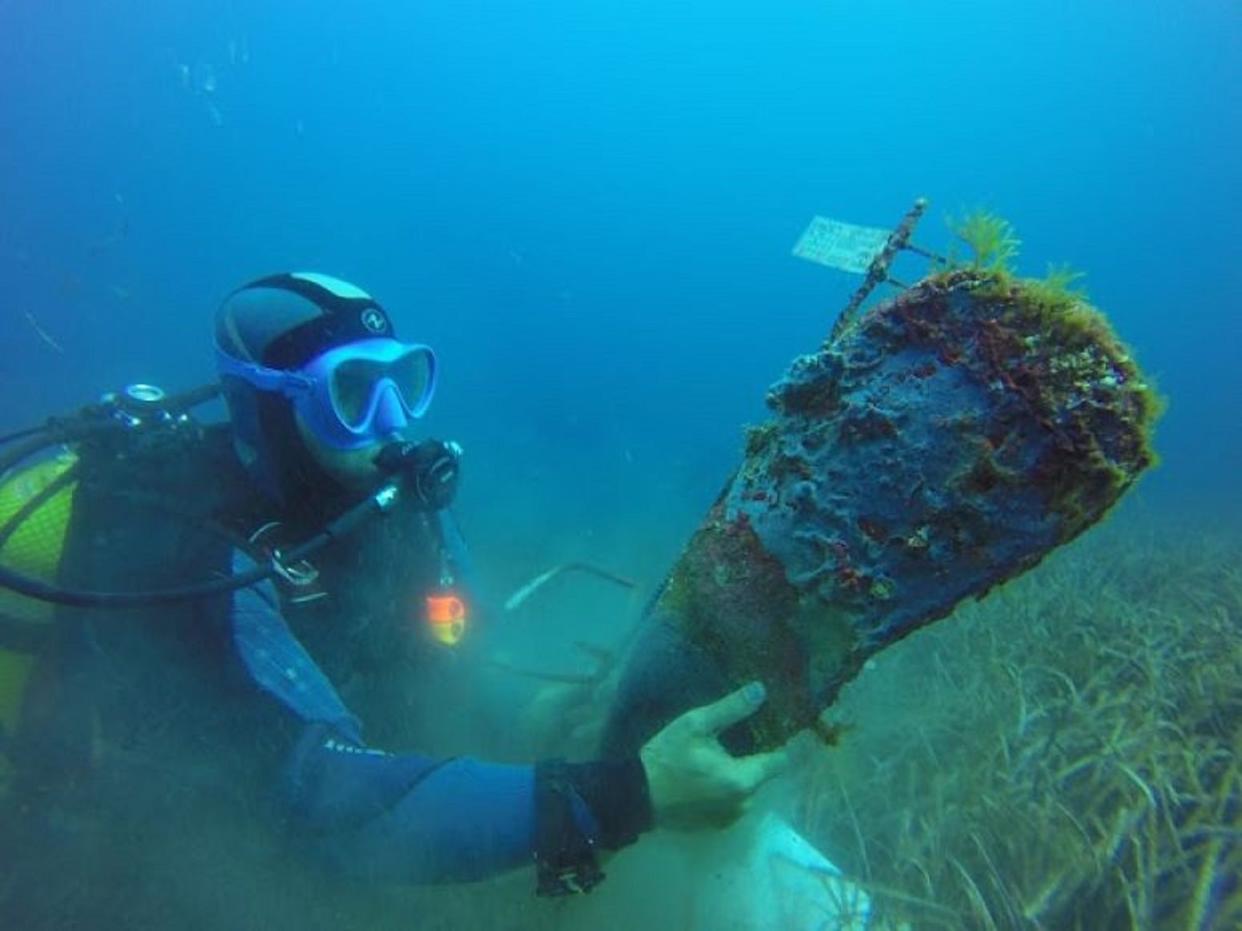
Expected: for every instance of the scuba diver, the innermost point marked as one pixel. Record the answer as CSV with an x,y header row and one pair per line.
x,y
249,624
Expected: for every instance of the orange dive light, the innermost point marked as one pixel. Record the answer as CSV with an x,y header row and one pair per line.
x,y
446,618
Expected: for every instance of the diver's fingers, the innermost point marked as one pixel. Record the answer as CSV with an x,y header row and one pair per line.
x,y
714,718
756,769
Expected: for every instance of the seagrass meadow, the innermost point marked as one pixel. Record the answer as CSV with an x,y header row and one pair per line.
x,y
1060,755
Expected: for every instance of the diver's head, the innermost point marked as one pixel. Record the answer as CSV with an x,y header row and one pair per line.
x,y
315,381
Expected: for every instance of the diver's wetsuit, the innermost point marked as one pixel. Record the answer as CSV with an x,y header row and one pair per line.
x,y
243,703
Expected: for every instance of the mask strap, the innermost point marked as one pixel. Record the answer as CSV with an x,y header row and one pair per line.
x,y
290,384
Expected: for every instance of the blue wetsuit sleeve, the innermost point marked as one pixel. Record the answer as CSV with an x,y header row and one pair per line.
x,y
409,817
276,662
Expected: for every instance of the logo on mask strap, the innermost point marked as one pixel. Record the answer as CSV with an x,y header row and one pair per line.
x,y
374,320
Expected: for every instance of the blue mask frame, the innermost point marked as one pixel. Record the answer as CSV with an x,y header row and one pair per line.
x,y
388,405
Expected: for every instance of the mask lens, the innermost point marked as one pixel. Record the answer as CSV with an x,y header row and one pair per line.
x,y
412,373
354,382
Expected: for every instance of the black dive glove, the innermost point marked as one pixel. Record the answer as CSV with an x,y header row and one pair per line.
x,y
613,792
433,468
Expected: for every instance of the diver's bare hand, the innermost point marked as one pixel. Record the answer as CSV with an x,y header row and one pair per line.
x,y
692,779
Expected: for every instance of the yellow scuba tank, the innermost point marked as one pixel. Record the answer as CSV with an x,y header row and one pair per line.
x,y
32,548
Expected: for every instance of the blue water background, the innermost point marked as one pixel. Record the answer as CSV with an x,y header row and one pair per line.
x,y
588,209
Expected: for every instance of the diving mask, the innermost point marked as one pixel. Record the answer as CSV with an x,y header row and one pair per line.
x,y
350,396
